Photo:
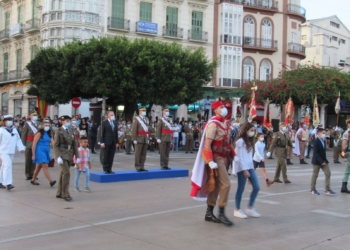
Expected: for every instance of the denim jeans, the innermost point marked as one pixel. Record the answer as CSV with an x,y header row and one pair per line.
x,y
176,143
242,180
77,176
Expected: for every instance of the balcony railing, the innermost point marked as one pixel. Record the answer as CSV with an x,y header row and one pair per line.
x,y
4,76
267,4
14,75
175,32
259,43
231,39
32,25
17,30
296,9
118,23
195,35
4,34
228,82
296,47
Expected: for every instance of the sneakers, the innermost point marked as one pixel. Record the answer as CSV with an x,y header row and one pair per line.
x,y
251,212
240,214
86,189
329,192
314,191
76,190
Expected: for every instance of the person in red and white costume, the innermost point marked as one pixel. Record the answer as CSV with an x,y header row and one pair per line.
x,y
214,151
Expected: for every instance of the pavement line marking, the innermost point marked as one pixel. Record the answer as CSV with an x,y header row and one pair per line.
x,y
268,202
331,213
262,192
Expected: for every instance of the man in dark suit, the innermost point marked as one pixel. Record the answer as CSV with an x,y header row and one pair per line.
x,y
319,161
109,141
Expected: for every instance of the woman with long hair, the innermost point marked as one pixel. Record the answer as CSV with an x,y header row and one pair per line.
x,y
41,151
244,168
84,128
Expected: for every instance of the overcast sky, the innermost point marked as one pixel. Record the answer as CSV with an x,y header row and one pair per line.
x,y
325,8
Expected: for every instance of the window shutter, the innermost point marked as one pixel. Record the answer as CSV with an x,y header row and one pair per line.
x,y
145,12
197,25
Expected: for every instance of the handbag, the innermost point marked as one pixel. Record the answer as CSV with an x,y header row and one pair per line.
x,y
51,163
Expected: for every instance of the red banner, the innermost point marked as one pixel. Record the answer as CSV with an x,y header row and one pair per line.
x,y
42,107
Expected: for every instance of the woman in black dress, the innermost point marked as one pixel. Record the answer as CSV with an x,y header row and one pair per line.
x,y
84,128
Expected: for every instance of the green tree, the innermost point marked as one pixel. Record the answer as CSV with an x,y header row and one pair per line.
x,y
123,70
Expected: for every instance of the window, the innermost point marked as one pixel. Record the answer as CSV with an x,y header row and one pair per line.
x,y
33,51
342,41
248,70
91,18
231,17
91,6
171,21
20,14
74,16
19,64
336,25
56,16
18,104
31,104
265,70
266,34
249,31
7,23
6,66
231,65
57,4
35,8
334,38
197,25
4,103
73,4
118,7
304,37
145,12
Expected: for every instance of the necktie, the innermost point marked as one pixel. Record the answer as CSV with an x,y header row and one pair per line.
x,y
67,130
112,125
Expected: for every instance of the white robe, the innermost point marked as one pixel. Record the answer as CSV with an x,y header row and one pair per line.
x,y
8,145
296,149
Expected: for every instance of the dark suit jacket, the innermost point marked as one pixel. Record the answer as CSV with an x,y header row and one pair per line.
x,y
319,156
109,136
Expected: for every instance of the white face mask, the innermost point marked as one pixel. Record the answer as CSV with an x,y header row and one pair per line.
x,y
112,117
284,129
35,118
224,112
251,134
323,136
261,139
46,129
74,122
167,113
143,113
129,125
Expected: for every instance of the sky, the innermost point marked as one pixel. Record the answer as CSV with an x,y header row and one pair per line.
x,y
325,8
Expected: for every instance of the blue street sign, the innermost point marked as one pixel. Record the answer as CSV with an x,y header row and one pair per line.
x,y
147,27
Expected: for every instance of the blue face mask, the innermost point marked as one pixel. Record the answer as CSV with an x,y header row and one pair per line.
x,y
10,123
67,125
167,113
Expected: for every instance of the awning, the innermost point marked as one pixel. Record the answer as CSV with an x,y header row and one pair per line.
x,y
216,92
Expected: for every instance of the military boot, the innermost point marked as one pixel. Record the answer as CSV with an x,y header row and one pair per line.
x,y
223,218
344,188
289,162
209,215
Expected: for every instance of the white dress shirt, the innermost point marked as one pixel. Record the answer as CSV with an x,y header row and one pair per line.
x,y
245,158
9,142
259,151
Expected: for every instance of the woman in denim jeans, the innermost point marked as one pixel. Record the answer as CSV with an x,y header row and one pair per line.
x,y
244,168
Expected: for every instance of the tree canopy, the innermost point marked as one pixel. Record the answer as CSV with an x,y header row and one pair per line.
x,y
129,71
301,85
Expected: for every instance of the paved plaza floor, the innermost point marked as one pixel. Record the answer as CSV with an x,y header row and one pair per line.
x,y
159,214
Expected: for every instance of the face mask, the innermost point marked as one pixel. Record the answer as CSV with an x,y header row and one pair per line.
x,y
9,123
290,127
323,136
251,134
261,139
74,122
236,125
305,126
284,129
144,113
35,118
129,125
67,125
167,113
46,129
224,112
152,126
190,126
112,117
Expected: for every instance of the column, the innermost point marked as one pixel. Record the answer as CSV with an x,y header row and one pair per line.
x,y
323,114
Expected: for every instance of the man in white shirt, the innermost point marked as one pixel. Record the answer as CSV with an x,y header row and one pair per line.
x,y
9,140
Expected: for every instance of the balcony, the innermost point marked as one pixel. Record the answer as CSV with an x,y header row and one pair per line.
x,y
256,5
115,23
17,30
231,39
198,36
5,35
14,75
297,11
173,32
252,43
296,49
32,25
228,82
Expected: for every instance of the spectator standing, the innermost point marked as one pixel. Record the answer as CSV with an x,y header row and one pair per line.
x,y
41,152
189,138
83,128
176,129
127,138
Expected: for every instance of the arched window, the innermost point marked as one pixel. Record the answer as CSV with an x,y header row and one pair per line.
x,y
248,69
4,103
18,104
266,33
249,31
265,70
